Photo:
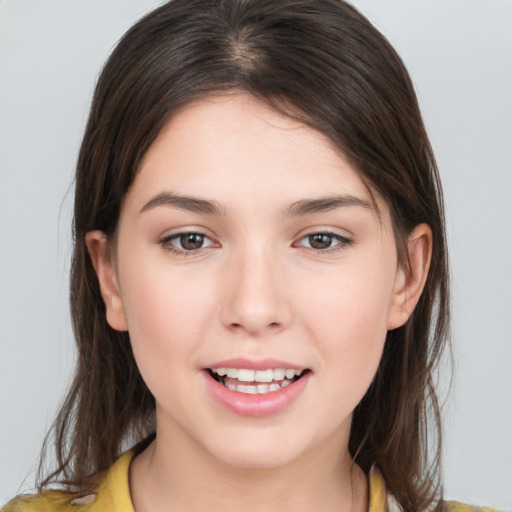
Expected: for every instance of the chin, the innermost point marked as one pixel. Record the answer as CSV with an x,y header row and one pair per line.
x,y
252,450
257,460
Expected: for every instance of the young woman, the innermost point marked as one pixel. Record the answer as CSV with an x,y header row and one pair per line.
x,y
259,283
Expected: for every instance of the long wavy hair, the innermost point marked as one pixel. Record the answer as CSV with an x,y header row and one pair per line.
x,y
319,61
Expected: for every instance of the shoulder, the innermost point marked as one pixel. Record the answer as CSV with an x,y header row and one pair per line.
x,y
47,501
112,494
448,506
455,506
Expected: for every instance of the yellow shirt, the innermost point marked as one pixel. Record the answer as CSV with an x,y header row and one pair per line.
x,y
113,495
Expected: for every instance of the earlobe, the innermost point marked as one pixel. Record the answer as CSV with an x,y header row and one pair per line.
x,y
410,281
97,245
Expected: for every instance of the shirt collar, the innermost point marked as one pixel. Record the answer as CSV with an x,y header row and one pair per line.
x,y
116,486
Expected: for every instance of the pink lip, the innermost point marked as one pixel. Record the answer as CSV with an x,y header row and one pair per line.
x,y
260,405
253,364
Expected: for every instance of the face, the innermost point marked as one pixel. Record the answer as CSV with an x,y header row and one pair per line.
x,y
256,281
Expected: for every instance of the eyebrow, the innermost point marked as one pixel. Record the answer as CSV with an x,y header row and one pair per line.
x,y
296,209
191,204
323,204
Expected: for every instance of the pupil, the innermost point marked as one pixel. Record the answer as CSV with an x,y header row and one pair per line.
x,y
320,241
191,241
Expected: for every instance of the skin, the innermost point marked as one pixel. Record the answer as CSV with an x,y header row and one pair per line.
x,y
257,288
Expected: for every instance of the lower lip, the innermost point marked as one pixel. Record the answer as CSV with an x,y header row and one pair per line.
x,y
259,405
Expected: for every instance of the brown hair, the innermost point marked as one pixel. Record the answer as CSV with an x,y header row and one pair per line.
x,y
319,61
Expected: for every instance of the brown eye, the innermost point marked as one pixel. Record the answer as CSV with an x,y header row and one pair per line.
x,y
191,241
321,241
186,243
324,242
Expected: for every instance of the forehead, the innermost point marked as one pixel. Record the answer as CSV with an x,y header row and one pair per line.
x,y
234,148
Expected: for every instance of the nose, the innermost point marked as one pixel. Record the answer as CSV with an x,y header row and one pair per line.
x,y
256,302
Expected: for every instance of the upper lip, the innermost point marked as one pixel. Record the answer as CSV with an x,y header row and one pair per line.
x,y
256,364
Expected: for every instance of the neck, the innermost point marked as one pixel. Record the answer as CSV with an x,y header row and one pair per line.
x,y
173,473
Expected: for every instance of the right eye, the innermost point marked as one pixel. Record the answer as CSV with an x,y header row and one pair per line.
x,y
183,243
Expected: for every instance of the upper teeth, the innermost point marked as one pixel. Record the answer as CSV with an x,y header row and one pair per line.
x,y
244,375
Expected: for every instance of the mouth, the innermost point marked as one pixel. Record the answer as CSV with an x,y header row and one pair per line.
x,y
256,382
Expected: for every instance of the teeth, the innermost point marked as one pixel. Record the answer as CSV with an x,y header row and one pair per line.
x,y
257,381
260,376
250,390
245,375
264,376
279,374
260,389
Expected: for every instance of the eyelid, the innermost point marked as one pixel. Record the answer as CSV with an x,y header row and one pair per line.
x,y
343,240
166,241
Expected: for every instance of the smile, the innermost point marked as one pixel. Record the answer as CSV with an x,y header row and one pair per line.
x,y
256,388
254,382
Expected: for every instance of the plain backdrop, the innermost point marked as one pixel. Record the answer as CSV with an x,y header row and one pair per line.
x,y
459,53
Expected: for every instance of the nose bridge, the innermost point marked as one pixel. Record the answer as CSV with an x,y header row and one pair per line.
x,y
257,299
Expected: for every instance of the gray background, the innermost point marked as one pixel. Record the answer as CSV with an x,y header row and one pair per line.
x,y
459,53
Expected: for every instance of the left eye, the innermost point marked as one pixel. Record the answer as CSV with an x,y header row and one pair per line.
x,y
323,241
186,242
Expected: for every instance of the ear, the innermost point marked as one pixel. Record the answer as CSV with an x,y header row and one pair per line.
x,y
102,260
410,281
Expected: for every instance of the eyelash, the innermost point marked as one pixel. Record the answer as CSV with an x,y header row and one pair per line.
x,y
167,242
343,241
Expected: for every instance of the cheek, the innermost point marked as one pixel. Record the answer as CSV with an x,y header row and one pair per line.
x,y
348,320
165,312
351,303
354,326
